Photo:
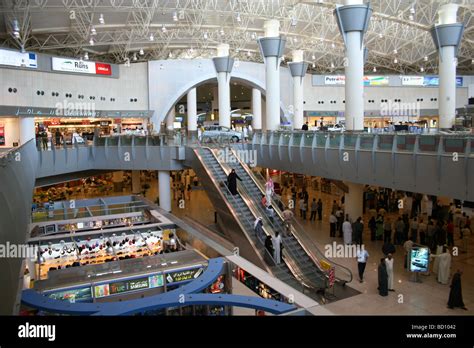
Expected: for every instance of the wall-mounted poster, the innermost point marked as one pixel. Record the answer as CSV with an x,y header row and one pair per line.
x,y
72,295
2,134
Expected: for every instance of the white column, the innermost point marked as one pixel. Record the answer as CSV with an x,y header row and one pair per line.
x,y
256,109
192,110
170,119
353,201
136,187
447,72
27,129
354,88
223,85
272,80
298,118
164,187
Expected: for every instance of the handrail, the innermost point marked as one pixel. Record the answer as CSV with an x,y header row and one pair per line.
x,y
259,181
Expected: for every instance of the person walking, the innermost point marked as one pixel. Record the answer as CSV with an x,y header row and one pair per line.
x,y
379,224
320,209
389,267
362,257
422,231
382,278
332,225
340,220
450,233
347,231
455,294
414,230
314,208
287,217
399,230
358,230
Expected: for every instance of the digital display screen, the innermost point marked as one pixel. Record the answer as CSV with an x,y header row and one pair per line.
x,y
419,259
156,280
101,290
72,295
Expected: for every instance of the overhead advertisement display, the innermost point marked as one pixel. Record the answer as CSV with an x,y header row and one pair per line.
x,y
181,276
413,80
19,59
427,81
80,66
434,81
368,80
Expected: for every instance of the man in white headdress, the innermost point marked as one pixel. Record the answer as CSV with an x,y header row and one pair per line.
x,y
444,266
276,243
389,266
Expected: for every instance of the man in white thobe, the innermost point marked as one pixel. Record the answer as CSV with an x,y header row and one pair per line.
x,y
444,266
389,266
347,232
276,243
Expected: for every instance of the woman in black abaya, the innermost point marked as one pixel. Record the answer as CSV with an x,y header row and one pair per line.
x,y
383,278
455,294
232,182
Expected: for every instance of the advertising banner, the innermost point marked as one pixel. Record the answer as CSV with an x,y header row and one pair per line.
x,y
181,276
431,81
413,80
72,295
368,80
80,66
19,59
2,134
419,259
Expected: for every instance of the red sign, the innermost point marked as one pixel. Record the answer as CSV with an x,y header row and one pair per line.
x,y
103,69
2,134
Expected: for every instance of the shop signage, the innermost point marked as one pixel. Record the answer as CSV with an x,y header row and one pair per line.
x,y
72,295
368,80
80,66
181,276
150,282
19,59
429,81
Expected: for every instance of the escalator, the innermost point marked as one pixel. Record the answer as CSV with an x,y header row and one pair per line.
x,y
299,268
307,255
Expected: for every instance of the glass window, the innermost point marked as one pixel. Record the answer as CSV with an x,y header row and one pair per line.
x,y
366,142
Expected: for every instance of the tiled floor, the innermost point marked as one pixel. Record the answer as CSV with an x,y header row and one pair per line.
x,y
428,297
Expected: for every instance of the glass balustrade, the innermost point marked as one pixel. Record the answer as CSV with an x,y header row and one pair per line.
x,y
350,141
405,142
385,142
428,143
366,142
285,138
334,140
297,139
308,139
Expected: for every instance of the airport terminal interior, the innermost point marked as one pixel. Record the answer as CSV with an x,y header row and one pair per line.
x,y
236,158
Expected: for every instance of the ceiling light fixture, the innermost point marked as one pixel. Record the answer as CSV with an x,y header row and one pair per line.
x,y
86,56
222,32
135,58
294,21
93,31
254,36
395,51
314,65
425,58
374,69
422,69
333,45
332,65
175,16
15,28
395,60
238,17
205,36
91,42
101,19
141,52
163,29
151,38
313,57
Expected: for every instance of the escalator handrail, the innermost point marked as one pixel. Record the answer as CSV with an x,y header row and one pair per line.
x,y
259,183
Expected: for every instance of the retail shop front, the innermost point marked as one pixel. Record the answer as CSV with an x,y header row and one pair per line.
x,y
54,126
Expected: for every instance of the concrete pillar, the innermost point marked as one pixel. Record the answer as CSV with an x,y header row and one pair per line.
x,y
447,36
298,69
223,65
164,187
353,19
136,185
170,119
353,201
192,110
117,180
27,129
272,46
256,109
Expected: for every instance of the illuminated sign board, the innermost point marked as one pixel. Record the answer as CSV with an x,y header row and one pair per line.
x,y
181,276
72,295
368,80
427,81
80,66
149,282
419,259
19,59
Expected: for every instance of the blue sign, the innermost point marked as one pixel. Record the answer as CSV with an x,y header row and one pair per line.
x,y
432,81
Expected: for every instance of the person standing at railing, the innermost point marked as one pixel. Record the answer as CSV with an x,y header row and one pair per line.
x,y
305,127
